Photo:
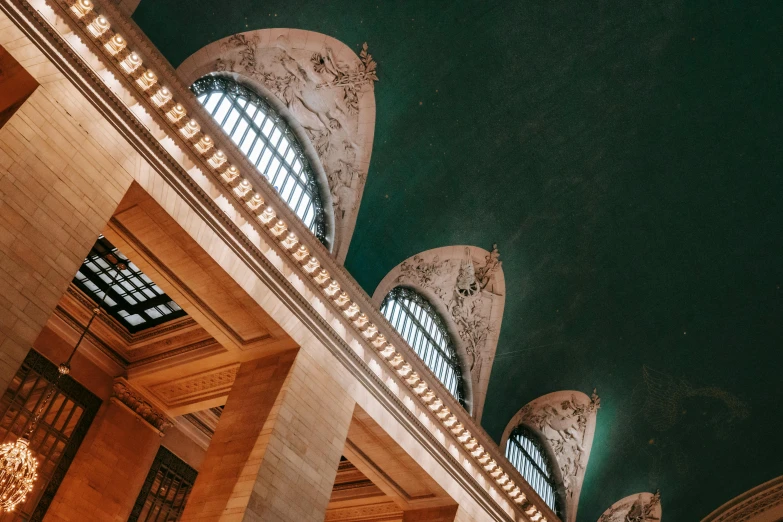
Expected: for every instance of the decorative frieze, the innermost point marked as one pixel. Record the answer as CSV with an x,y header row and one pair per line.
x,y
466,286
566,421
761,503
323,86
125,394
201,386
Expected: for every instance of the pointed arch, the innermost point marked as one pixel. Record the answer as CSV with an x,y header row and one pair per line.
x,y
324,91
465,285
645,507
566,423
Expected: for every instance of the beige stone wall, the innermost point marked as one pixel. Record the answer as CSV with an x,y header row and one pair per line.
x,y
109,469
310,424
61,178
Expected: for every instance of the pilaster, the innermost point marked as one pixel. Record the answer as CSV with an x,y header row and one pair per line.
x,y
112,463
275,453
58,188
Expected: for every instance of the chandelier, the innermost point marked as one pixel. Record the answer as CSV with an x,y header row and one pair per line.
x,y
18,466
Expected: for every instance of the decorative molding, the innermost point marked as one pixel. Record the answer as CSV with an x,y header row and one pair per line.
x,y
132,351
641,507
326,89
125,394
201,386
566,421
467,288
387,511
763,503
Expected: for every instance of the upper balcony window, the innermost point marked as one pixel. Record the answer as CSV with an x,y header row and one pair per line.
x,y
421,326
525,453
262,135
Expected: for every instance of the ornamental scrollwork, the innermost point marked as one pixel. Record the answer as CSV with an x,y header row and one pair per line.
x,y
124,393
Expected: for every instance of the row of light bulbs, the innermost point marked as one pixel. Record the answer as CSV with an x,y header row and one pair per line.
x,y
131,64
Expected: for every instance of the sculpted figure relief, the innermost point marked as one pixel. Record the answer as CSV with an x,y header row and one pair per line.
x,y
458,289
644,507
468,285
566,420
323,92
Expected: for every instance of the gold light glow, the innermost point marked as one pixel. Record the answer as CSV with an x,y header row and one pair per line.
x,y
17,473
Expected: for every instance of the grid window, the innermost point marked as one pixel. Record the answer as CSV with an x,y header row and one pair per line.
x,y
266,140
56,437
422,328
165,491
526,454
134,300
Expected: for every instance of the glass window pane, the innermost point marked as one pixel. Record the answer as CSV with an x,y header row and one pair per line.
x,y
267,142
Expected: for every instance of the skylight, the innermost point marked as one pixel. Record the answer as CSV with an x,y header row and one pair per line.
x,y
134,299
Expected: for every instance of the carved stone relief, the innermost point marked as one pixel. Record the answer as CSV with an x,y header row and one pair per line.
x,y
466,286
196,388
125,394
566,420
326,88
641,507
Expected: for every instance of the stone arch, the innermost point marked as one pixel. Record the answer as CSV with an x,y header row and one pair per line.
x,y
763,503
644,507
566,422
465,284
325,92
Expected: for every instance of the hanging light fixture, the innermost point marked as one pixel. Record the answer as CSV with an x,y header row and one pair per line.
x,y
18,466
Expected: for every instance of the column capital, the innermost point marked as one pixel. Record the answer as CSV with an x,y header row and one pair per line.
x,y
126,395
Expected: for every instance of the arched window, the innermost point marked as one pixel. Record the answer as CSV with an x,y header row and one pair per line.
x,y
526,453
421,326
262,135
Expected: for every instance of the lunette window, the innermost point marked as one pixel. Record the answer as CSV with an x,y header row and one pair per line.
x,y
267,142
526,454
421,326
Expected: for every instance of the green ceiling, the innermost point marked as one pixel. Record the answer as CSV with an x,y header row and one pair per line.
x,y
627,158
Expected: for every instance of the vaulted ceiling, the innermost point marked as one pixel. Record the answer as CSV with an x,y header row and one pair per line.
x,y
627,159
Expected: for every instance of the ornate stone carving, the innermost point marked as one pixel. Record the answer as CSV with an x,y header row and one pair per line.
x,y
465,284
123,392
343,76
764,502
198,387
323,87
566,420
642,507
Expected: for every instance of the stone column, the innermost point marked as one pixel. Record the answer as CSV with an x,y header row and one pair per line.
x,y
276,449
109,469
59,185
